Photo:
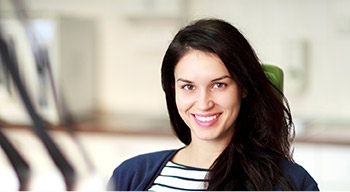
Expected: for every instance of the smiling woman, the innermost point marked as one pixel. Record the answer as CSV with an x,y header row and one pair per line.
x,y
237,131
207,98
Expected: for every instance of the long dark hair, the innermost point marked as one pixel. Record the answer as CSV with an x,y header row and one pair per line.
x,y
264,128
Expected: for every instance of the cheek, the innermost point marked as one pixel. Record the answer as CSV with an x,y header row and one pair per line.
x,y
231,101
183,101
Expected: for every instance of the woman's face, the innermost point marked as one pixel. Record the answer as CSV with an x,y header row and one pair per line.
x,y
207,98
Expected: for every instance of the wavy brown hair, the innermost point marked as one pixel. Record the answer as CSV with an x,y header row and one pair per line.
x,y
264,127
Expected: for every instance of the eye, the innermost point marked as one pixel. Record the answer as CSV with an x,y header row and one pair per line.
x,y
188,87
219,85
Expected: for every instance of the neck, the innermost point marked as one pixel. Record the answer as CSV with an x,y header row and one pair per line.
x,y
200,154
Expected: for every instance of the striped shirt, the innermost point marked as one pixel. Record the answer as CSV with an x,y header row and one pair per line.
x,y
176,177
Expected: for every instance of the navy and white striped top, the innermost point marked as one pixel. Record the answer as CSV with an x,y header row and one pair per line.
x,y
176,177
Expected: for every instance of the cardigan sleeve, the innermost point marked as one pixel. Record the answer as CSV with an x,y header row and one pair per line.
x,y
302,179
138,173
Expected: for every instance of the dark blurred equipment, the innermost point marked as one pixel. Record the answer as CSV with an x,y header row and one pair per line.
x,y
20,166
38,124
43,67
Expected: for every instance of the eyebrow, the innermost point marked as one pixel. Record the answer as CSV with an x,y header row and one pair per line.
x,y
221,78
217,79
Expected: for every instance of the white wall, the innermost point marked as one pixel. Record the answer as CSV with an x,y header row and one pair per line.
x,y
312,35
277,29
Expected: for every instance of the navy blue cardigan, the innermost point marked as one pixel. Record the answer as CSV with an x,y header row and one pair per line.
x,y
139,173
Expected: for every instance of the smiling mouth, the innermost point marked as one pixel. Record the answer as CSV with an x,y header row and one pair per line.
x,y
207,118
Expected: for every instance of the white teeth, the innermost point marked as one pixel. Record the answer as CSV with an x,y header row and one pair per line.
x,y
206,118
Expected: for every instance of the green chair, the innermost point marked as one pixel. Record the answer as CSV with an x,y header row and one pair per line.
x,y
275,75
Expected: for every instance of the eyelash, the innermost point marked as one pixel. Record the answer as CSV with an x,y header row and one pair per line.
x,y
186,87
220,85
216,86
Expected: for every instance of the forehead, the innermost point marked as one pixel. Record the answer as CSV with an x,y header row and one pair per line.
x,y
196,64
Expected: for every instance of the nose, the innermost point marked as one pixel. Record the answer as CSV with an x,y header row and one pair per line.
x,y
204,100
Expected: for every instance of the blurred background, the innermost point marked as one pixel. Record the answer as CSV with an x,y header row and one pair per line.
x,y
106,55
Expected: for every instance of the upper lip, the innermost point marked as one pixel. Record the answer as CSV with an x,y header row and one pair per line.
x,y
205,115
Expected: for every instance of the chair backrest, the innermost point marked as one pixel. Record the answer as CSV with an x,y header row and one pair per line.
x,y
275,75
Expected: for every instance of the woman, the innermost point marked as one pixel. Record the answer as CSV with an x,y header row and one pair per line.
x,y
237,131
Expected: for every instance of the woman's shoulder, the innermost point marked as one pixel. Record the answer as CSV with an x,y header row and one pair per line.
x,y
147,159
134,173
301,178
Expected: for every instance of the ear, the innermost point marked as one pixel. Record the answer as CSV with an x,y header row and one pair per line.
x,y
244,93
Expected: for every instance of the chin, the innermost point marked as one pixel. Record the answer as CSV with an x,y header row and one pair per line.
x,y
207,136
211,134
